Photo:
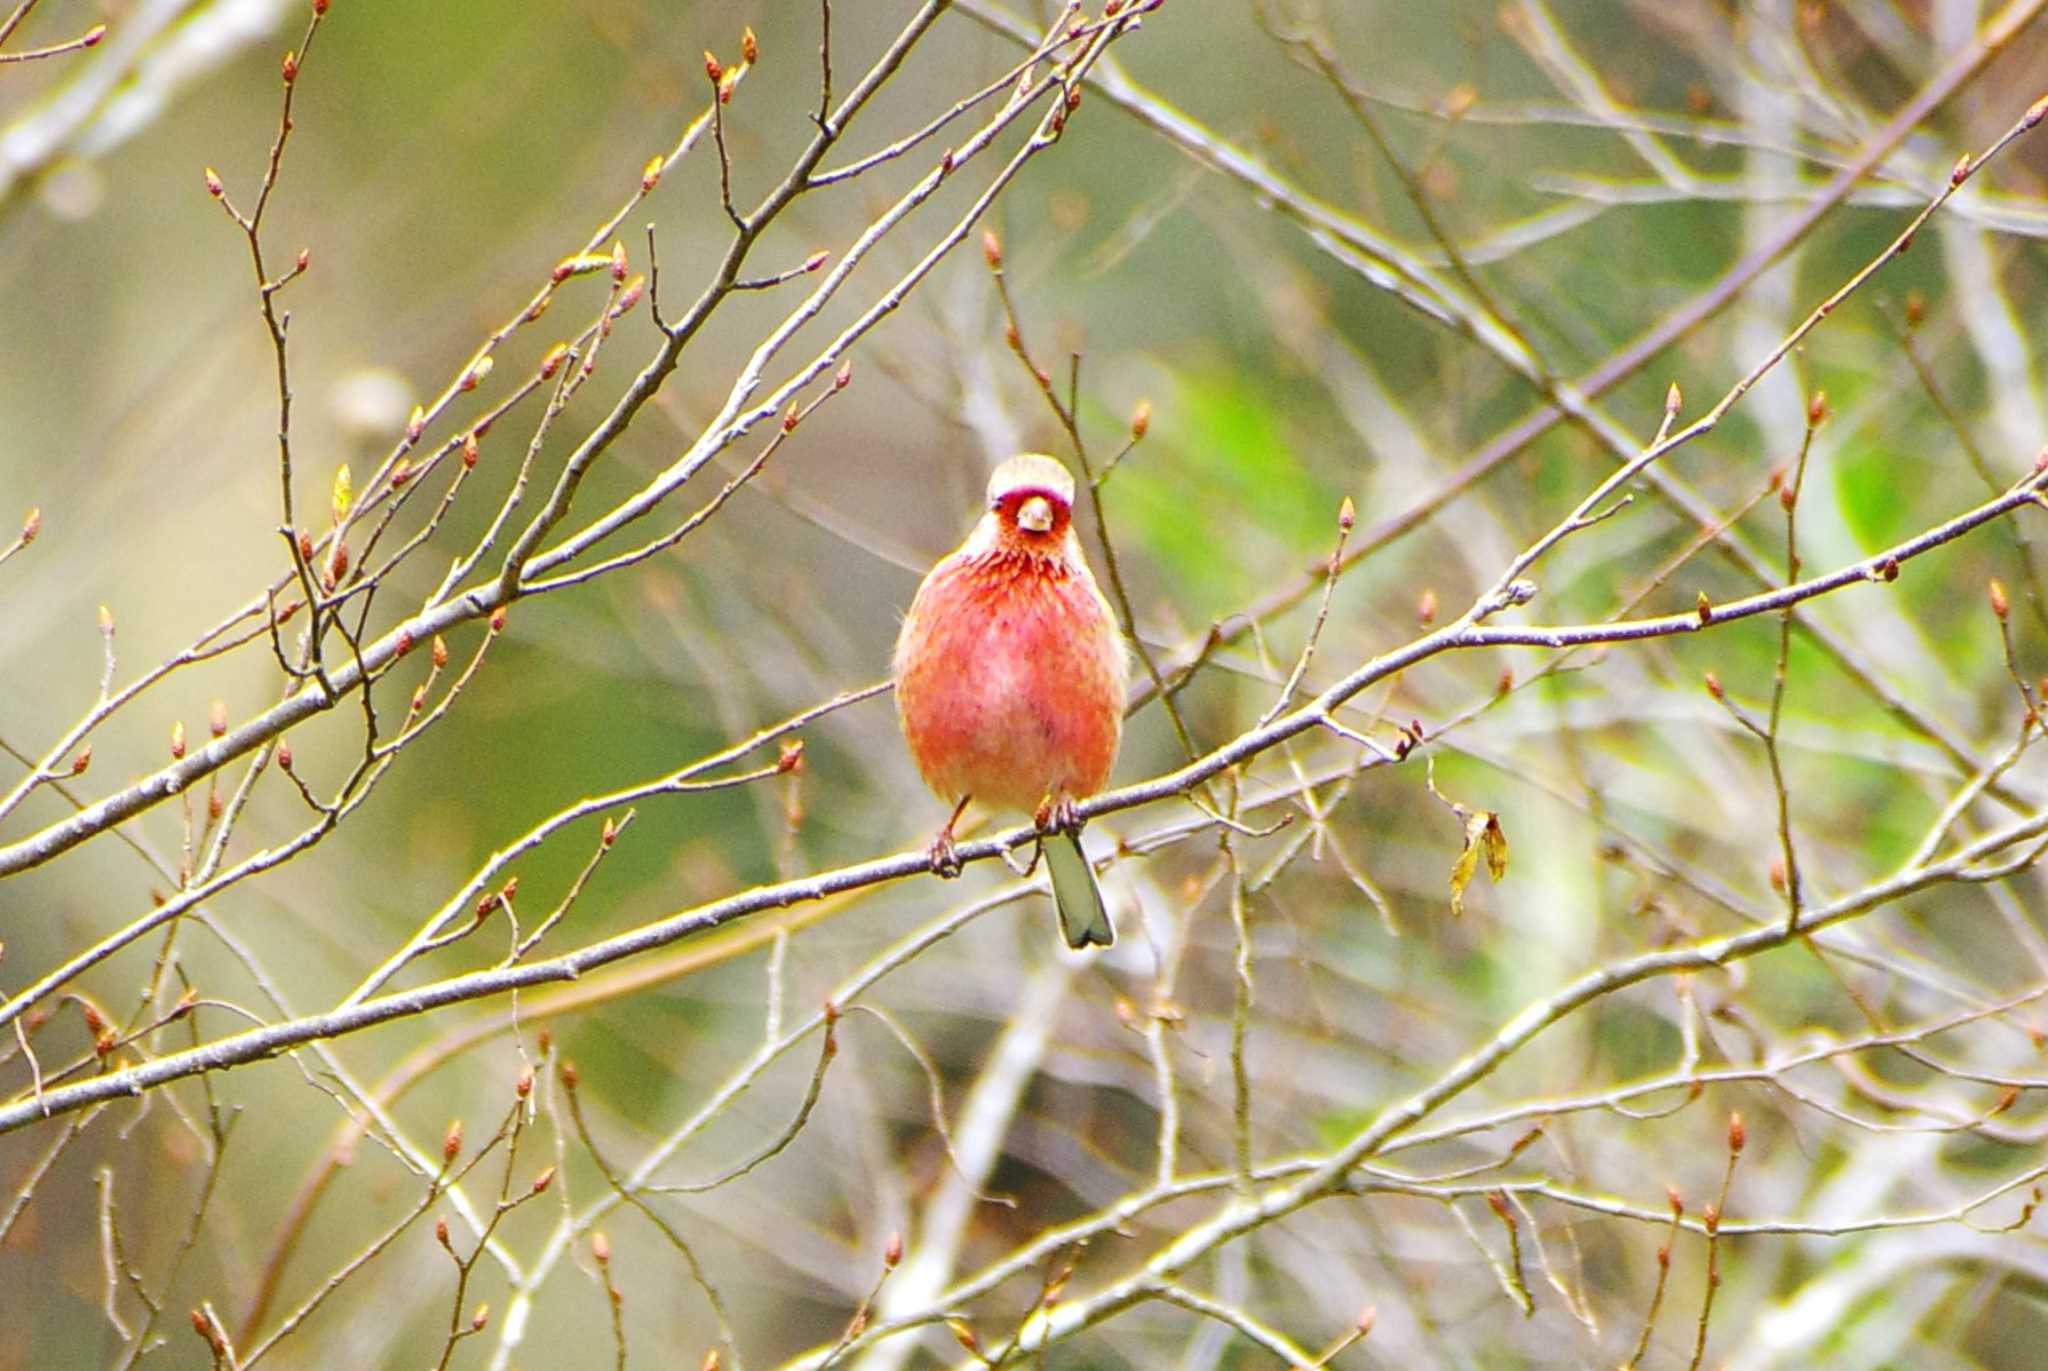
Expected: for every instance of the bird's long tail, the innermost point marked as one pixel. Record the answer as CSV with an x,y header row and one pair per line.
x,y
1084,919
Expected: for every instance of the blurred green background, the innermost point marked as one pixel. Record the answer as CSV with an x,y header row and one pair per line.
x,y
1597,165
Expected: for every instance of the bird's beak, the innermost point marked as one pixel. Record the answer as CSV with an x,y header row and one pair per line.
x,y
1035,515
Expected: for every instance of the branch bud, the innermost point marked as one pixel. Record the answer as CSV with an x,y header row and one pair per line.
x,y
1425,608
82,760
451,1142
1673,399
543,1180
523,1086
31,525
291,67
2035,112
284,754
892,1251
217,718
1141,420
843,375
650,174
750,46
478,370
1714,685
1347,515
498,619
441,1229
177,740
213,185
1737,1135
1704,607
480,1318
992,249
1816,408
1961,172
1916,308
630,296
712,69
1999,605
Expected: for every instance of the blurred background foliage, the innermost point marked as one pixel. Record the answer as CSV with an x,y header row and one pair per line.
x,y
1597,165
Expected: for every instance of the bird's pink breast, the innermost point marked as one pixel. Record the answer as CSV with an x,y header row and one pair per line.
x,y
1010,681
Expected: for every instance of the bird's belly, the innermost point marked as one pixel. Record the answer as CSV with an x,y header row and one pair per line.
x,y
1013,698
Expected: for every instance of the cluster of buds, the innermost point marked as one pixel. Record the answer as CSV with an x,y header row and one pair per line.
x,y
209,1332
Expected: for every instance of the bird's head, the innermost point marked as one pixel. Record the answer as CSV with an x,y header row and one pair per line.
x,y
1031,501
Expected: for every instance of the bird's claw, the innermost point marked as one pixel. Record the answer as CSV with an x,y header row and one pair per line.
x,y
1057,816
945,857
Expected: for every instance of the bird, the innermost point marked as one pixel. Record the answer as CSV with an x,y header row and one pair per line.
x,y
1010,678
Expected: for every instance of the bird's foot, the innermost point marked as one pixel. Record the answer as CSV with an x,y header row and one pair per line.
x,y
945,857
1057,816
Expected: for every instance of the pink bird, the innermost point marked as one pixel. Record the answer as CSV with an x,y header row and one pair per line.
x,y
1011,675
